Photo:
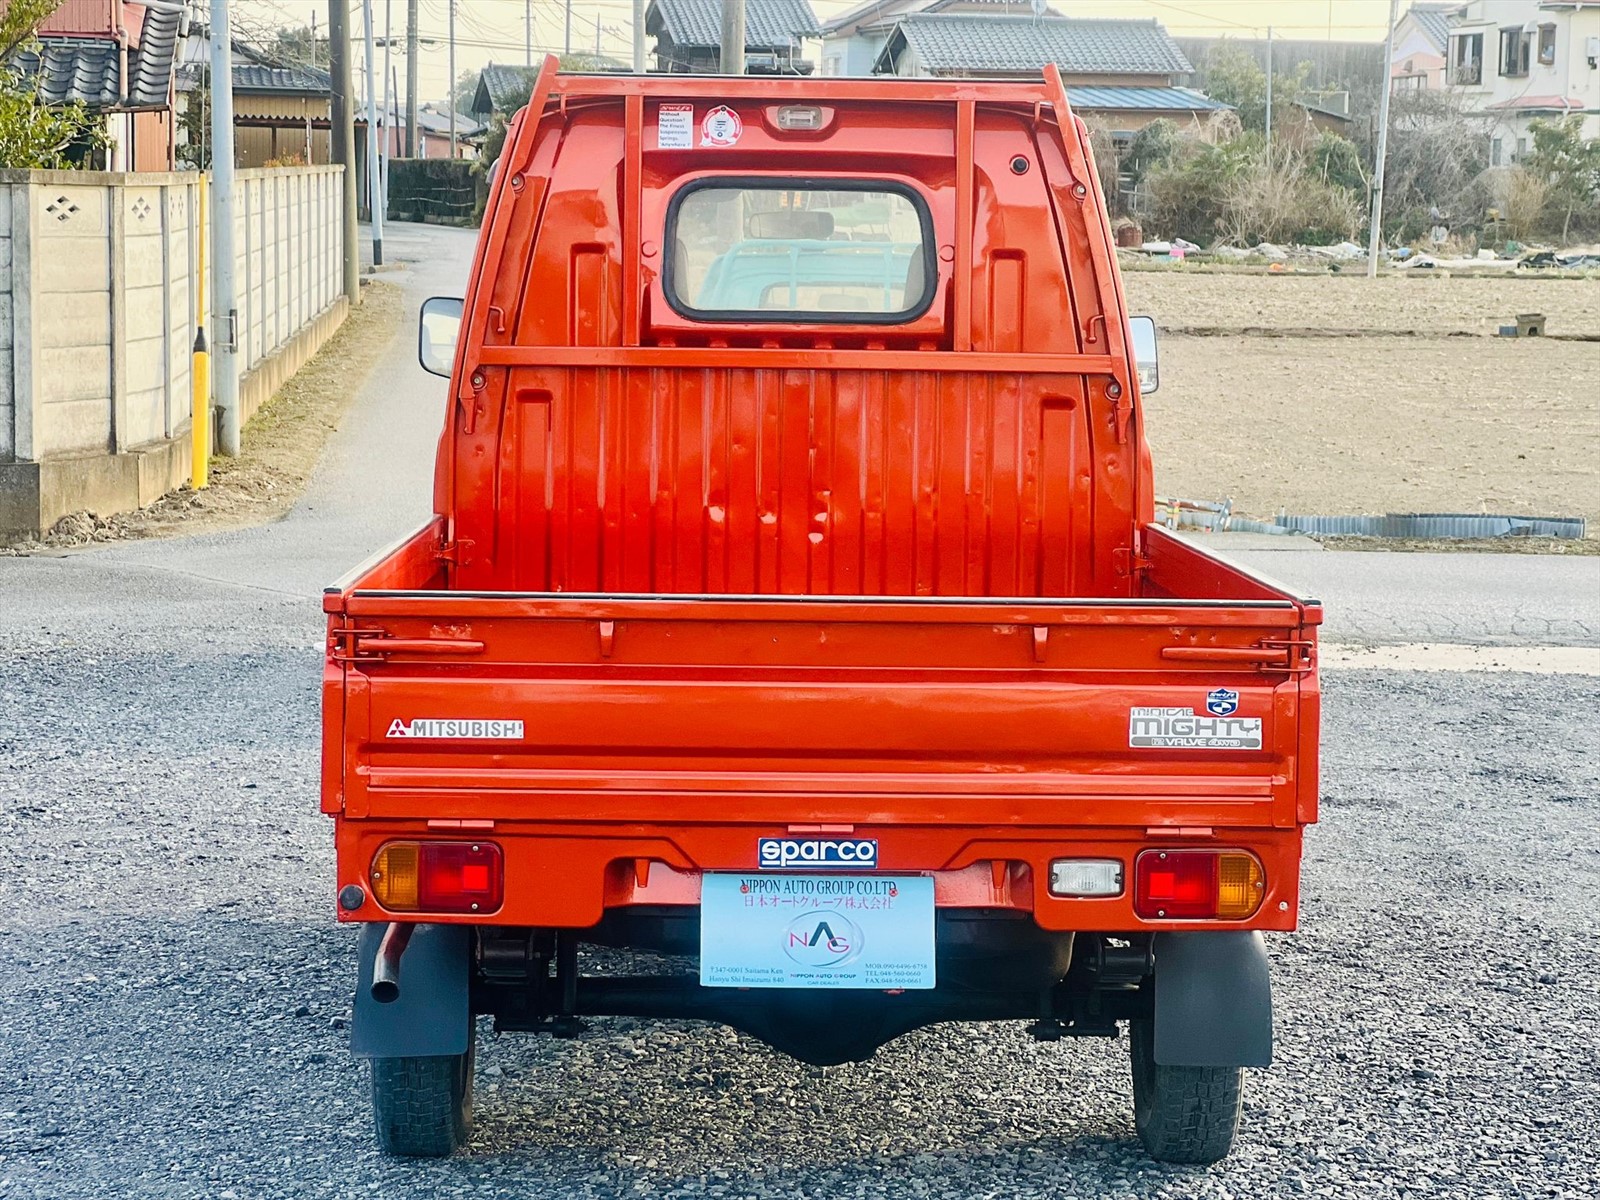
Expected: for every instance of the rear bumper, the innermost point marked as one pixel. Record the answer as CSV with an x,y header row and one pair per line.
x,y
569,876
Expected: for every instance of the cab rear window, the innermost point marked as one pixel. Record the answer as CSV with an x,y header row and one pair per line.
x,y
799,251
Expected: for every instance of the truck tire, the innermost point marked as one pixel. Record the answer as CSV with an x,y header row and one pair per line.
x,y
1183,1114
422,1107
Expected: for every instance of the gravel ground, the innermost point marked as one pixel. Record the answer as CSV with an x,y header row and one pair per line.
x,y
173,993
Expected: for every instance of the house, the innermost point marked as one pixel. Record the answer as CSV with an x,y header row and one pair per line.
x,y
505,87
688,36
1517,61
281,113
502,89
1123,71
79,58
433,132
1420,40
852,41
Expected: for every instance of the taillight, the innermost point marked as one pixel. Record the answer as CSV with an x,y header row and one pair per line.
x,y
451,877
1184,885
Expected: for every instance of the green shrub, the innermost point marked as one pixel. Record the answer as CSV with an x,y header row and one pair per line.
x,y
437,190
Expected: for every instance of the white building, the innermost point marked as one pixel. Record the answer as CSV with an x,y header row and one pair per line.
x,y
1420,40
1519,60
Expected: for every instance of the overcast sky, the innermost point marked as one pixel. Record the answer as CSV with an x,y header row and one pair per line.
x,y
494,29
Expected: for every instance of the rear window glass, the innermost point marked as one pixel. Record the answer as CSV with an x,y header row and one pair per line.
x,y
783,252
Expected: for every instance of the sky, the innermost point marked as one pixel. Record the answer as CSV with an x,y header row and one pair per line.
x,y
494,29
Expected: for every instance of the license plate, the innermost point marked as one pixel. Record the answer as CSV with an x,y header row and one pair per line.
x,y
816,931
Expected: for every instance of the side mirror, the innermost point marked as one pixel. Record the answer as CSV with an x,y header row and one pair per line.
x,y
1146,356
437,333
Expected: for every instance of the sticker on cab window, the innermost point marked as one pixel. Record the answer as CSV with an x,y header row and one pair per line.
x,y
721,127
675,127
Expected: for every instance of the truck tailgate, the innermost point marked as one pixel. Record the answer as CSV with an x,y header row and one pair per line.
x,y
763,709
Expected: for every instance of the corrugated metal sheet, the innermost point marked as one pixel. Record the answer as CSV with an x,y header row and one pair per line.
x,y
1137,99
1200,514
768,24
1440,525
790,482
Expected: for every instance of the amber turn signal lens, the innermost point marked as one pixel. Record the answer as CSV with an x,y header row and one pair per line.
x,y
445,877
1240,885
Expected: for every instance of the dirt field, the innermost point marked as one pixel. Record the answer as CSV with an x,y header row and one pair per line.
x,y
1400,304
1345,425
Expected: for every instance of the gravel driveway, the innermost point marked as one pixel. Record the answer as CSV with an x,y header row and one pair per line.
x,y
173,993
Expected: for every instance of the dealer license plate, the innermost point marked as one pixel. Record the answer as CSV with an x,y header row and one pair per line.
x,y
816,931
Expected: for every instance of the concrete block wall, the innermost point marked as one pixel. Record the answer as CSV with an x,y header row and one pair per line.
x,y
99,290
288,248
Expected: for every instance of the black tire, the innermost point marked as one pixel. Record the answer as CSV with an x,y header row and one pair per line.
x,y
1183,1114
422,1107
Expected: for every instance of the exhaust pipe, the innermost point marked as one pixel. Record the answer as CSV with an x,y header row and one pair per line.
x,y
386,965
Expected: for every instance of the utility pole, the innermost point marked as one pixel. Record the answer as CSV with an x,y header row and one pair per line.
x,y
527,32
394,105
388,106
374,174
225,345
1375,236
344,139
452,78
638,37
567,46
411,78
733,37
1269,97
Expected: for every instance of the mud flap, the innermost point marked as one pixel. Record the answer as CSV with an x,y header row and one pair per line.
x,y
431,1016
1213,1000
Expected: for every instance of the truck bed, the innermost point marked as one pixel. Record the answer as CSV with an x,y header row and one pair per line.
x,y
669,721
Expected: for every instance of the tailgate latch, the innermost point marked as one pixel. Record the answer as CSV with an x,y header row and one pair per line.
x,y
1270,654
373,645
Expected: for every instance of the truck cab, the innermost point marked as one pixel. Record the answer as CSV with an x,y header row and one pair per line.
x,y
793,612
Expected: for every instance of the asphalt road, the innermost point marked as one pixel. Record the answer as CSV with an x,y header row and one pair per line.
x,y
174,993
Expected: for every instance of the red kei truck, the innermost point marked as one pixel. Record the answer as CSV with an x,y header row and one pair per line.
x,y
794,611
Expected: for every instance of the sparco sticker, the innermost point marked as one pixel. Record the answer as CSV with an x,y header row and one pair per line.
x,y
455,729
675,127
1185,729
784,854
721,127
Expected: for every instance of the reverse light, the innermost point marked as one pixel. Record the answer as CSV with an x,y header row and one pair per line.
x,y
1185,885
448,877
1086,877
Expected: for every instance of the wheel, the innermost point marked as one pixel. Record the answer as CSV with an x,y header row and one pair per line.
x,y
423,1106
1183,1114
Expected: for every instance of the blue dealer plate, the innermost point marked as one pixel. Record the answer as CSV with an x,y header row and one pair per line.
x,y
816,931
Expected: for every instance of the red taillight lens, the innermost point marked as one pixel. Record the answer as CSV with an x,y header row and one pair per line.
x,y
1175,884
451,877
1178,885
